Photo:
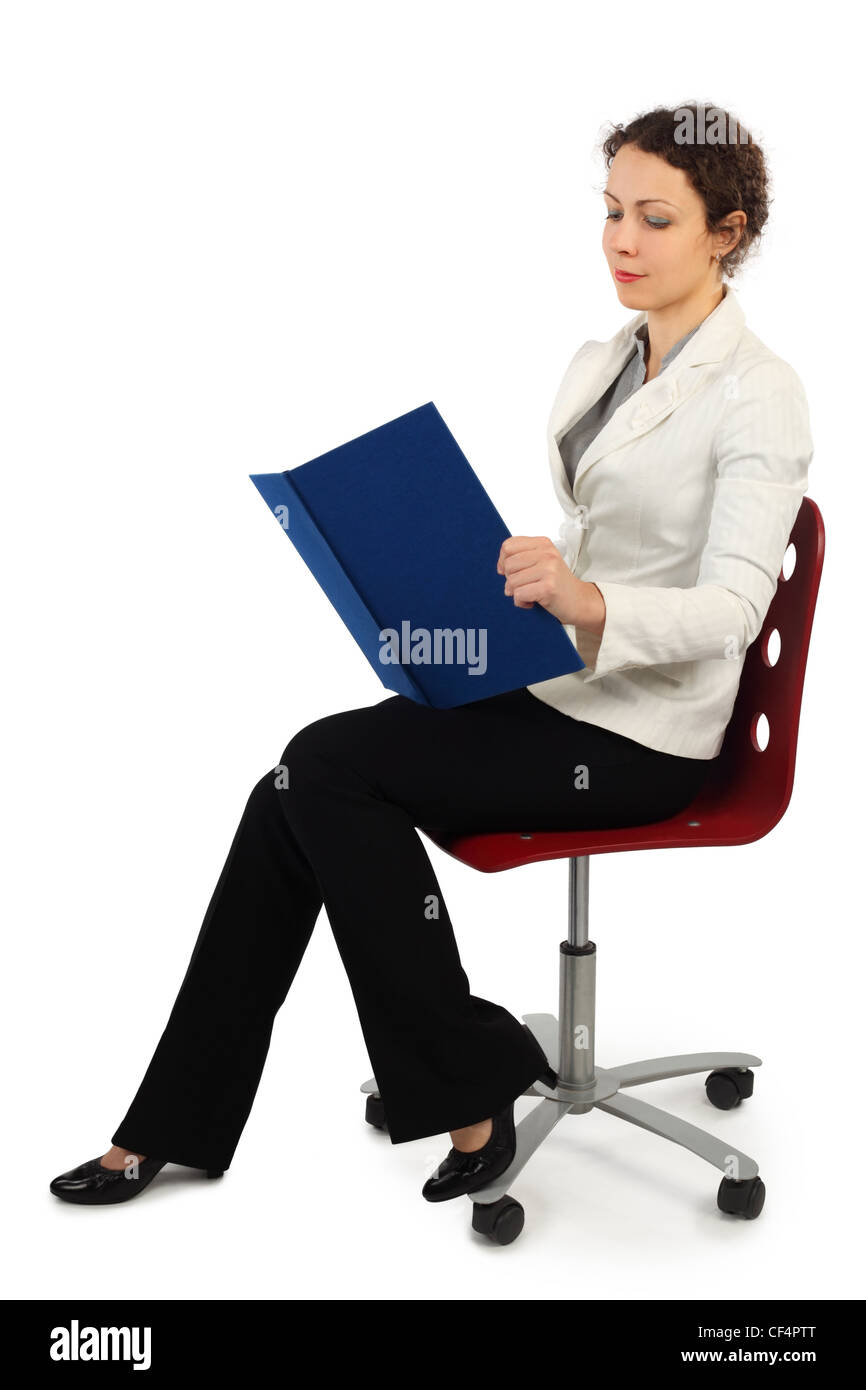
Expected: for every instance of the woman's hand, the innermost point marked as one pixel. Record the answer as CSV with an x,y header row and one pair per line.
x,y
535,572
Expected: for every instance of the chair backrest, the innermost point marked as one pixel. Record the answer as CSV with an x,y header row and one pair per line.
x,y
754,785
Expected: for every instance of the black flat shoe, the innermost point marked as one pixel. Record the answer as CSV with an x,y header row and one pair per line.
x,y
92,1185
460,1172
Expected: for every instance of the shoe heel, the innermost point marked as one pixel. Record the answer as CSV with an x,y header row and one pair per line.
x,y
214,1172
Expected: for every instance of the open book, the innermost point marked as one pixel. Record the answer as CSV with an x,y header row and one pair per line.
x,y
403,539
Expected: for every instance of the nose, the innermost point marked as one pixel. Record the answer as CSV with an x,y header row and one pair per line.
x,y
621,239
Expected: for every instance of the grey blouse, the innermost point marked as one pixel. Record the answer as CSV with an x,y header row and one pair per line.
x,y
577,440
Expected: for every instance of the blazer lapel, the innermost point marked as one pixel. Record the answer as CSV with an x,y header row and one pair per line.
x,y
597,365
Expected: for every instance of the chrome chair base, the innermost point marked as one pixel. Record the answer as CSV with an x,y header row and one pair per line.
x,y
605,1094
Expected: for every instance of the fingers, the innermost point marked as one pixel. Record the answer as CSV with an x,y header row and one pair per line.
x,y
533,584
519,551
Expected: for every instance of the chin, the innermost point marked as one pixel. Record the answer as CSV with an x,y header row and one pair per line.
x,y
633,292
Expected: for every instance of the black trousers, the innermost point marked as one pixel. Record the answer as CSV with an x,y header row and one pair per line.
x,y
334,823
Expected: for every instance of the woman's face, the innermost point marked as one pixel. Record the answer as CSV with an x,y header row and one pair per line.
x,y
656,228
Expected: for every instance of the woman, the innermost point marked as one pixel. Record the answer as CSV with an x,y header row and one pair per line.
x,y
679,499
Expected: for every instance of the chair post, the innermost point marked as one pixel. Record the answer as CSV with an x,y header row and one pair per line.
x,y
577,987
578,900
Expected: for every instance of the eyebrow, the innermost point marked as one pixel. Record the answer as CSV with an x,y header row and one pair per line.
x,y
640,202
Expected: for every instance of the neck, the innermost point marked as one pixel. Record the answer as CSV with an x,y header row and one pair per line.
x,y
668,324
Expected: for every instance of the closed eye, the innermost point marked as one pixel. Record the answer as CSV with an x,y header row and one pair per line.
x,y
657,223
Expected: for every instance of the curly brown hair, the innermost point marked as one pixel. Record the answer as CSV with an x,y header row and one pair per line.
x,y
728,175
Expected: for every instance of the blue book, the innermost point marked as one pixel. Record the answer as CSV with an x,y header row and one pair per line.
x,y
402,537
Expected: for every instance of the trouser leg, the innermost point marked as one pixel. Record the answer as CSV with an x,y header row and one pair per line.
x,y
443,1057
199,1087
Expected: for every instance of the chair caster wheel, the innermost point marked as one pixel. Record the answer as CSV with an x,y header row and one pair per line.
x,y
744,1198
502,1221
728,1086
375,1112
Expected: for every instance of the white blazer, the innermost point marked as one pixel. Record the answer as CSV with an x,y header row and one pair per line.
x,y
681,512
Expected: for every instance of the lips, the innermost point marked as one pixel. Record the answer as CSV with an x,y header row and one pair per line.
x,y
625,275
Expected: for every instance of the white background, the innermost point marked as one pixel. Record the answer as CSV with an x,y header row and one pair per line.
x,y
236,236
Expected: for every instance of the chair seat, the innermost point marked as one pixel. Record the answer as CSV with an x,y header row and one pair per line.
x,y
721,814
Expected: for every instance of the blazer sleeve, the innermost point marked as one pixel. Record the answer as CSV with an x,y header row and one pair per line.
x,y
763,451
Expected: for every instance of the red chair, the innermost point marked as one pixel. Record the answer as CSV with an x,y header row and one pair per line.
x,y
744,796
